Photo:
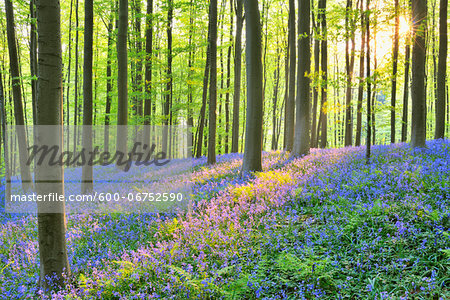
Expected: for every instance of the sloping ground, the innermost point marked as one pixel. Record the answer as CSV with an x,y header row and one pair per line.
x,y
323,226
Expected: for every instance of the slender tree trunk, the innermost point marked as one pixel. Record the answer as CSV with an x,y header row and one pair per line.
x,y
87,170
227,95
49,179
237,76
75,115
27,183
202,121
406,91
349,63
276,76
33,55
4,138
253,127
394,70
168,96
290,104
418,91
68,74
148,70
323,120
361,80
302,124
314,133
442,70
138,85
122,78
369,91
213,82
109,83
190,119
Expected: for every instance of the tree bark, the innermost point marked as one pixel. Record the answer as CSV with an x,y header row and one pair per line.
x,y
394,70
122,78
148,71
418,91
406,91
168,95
51,226
323,120
227,95
442,70
237,76
314,133
202,121
213,82
349,64
109,80
87,170
33,55
290,104
302,124
253,127
25,173
361,80
369,91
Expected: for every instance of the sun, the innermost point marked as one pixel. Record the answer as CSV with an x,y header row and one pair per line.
x,y
404,27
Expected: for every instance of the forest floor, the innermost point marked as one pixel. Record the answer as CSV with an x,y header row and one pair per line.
x,y
324,226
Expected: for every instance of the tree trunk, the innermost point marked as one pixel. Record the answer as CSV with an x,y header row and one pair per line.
x,y
202,121
33,55
394,70
191,59
253,127
361,81
213,82
314,133
302,124
25,173
87,170
148,70
276,76
138,83
122,78
237,76
442,70
3,138
406,91
68,73
109,83
227,95
168,95
323,120
290,104
418,92
49,179
349,64
369,91
75,115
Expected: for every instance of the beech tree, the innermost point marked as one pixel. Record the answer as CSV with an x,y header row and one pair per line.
x,y
237,75
22,140
418,92
442,71
87,170
212,81
253,56
122,77
49,178
394,69
290,103
302,124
